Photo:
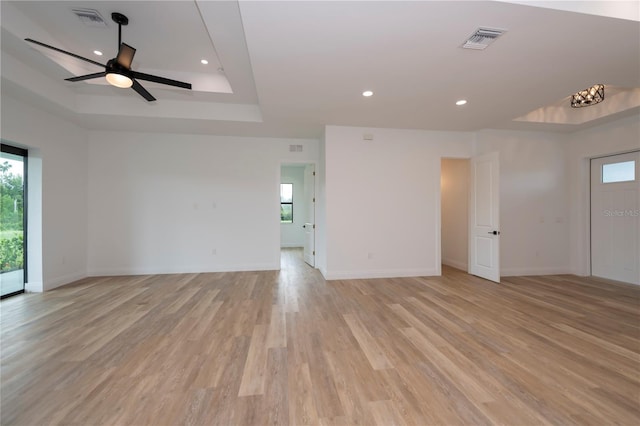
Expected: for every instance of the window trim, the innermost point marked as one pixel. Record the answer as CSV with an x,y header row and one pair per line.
x,y
24,153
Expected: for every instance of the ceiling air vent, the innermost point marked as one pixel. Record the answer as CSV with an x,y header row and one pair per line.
x,y
295,148
90,17
482,38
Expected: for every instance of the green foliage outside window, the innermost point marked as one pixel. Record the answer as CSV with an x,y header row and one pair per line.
x,y
11,223
286,213
11,254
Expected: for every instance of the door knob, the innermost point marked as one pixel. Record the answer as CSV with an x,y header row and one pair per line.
x,y
494,232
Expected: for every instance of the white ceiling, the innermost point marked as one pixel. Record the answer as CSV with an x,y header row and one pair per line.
x,y
292,67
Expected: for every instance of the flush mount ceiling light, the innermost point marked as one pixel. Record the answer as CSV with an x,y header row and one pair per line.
x,y
204,61
97,52
461,102
367,93
587,97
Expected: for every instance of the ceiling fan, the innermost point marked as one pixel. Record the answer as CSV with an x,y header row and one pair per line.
x,y
118,70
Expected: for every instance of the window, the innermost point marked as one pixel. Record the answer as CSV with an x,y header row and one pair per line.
x,y
13,220
619,172
286,203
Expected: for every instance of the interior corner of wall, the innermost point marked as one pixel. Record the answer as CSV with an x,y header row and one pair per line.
x,y
474,144
323,271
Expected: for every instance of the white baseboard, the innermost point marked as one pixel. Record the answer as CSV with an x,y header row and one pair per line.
x,y
50,284
291,245
389,273
323,271
397,273
33,287
200,269
456,264
553,270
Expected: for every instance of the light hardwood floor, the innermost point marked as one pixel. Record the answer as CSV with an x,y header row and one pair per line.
x,y
290,348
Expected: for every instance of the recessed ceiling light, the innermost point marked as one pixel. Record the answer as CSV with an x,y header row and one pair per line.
x,y
97,52
204,61
461,102
367,93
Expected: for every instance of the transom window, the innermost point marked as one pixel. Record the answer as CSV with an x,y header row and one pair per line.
x,y
286,203
624,171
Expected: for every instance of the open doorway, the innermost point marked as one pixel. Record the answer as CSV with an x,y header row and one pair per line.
x,y
297,215
470,215
454,205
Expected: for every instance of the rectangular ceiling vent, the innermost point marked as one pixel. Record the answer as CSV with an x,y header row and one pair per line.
x,y
90,17
295,148
482,38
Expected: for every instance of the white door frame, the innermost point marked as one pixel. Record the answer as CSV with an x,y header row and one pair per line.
x,y
469,213
277,193
589,202
580,210
309,251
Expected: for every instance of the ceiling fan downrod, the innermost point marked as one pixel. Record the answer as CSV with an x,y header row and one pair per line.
x,y
121,20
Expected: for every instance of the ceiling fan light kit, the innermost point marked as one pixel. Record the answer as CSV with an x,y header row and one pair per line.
x,y
118,70
119,80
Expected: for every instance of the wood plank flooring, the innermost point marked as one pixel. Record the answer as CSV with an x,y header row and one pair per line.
x,y
288,347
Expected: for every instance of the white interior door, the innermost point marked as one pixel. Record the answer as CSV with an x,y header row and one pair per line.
x,y
615,217
310,222
484,217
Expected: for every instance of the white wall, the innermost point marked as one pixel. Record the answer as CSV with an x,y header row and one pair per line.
x,y
148,206
320,213
454,186
534,229
383,200
57,199
292,234
162,203
620,136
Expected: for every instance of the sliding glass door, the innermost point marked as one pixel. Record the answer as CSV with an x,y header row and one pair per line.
x,y
13,220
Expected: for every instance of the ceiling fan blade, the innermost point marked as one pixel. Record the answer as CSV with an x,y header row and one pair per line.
x,y
161,80
142,91
125,55
64,51
87,77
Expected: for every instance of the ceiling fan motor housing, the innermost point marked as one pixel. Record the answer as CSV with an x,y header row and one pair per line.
x,y
114,67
